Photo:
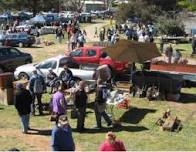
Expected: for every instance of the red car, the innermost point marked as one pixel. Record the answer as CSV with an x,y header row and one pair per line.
x,y
95,55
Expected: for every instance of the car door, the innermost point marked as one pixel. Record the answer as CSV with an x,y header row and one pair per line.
x,y
8,60
91,56
77,55
17,57
44,66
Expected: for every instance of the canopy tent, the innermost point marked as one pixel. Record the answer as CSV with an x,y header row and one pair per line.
x,y
126,50
38,19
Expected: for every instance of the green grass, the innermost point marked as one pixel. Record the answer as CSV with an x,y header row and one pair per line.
x,y
139,131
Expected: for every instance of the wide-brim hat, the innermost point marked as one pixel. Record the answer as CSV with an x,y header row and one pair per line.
x,y
63,120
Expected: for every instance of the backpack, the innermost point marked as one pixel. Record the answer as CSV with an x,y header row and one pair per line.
x,y
38,85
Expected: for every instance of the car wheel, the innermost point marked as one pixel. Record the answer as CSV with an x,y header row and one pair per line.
x,y
23,76
21,44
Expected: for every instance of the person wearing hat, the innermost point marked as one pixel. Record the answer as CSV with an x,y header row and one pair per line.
x,y
50,79
111,144
62,139
23,100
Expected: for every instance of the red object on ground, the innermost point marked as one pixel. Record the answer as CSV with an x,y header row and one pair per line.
x,y
124,105
117,146
95,55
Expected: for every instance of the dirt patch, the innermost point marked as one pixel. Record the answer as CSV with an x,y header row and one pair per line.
x,y
33,139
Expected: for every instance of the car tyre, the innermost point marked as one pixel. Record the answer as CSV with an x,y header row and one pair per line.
x,y
23,76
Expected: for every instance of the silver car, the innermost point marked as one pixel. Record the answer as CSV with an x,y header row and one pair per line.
x,y
56,63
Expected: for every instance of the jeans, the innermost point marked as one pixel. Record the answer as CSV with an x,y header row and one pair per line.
x,y
40,108
25,122
103,114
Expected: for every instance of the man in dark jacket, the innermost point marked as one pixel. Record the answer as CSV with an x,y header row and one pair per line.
x,y
23,100
194,45
67,77
80,103
100,104
37,87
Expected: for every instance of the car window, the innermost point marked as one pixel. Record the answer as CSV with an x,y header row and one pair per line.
x,y
47,65
76,53
21,36
91,53
14,52
4,52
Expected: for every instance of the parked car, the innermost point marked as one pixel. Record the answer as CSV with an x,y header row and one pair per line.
x,y
96,55
56,63
31,29
11,58
17,39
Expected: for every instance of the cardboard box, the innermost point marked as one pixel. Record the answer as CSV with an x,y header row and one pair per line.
x,y
7,96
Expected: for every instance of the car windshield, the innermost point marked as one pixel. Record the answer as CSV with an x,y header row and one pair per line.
x,y
47,64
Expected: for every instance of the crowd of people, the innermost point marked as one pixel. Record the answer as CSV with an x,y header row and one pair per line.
x,y
27,101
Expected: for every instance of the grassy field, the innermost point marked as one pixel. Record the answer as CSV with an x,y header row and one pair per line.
x,y
138,130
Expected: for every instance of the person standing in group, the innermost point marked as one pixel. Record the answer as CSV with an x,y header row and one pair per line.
x,y
111,144
193,45
23,100
62,139
100,105
169,53
59,104
73,41
59,35
101,37
37,87
80,102
66,77
51,79
81,40
96,33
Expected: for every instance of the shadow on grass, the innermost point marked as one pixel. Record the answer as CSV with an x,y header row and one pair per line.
x,y
40,132
115,129
1,108
135,115
187,98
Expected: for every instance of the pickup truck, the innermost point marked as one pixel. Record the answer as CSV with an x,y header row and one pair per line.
x,y
56,63
95,55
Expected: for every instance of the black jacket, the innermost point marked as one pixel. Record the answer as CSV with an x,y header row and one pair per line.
x,y
99,98
80,98
23,100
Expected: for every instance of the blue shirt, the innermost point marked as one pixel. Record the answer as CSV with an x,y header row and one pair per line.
x,y
62,139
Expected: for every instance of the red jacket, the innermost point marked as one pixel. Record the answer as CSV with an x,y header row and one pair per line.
x,y
117,146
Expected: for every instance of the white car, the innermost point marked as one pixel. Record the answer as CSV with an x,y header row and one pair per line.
x,y
56,63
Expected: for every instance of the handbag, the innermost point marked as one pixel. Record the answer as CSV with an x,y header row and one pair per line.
x,y
53,117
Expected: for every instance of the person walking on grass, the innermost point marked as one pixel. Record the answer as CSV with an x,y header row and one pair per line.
x,y
23,100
